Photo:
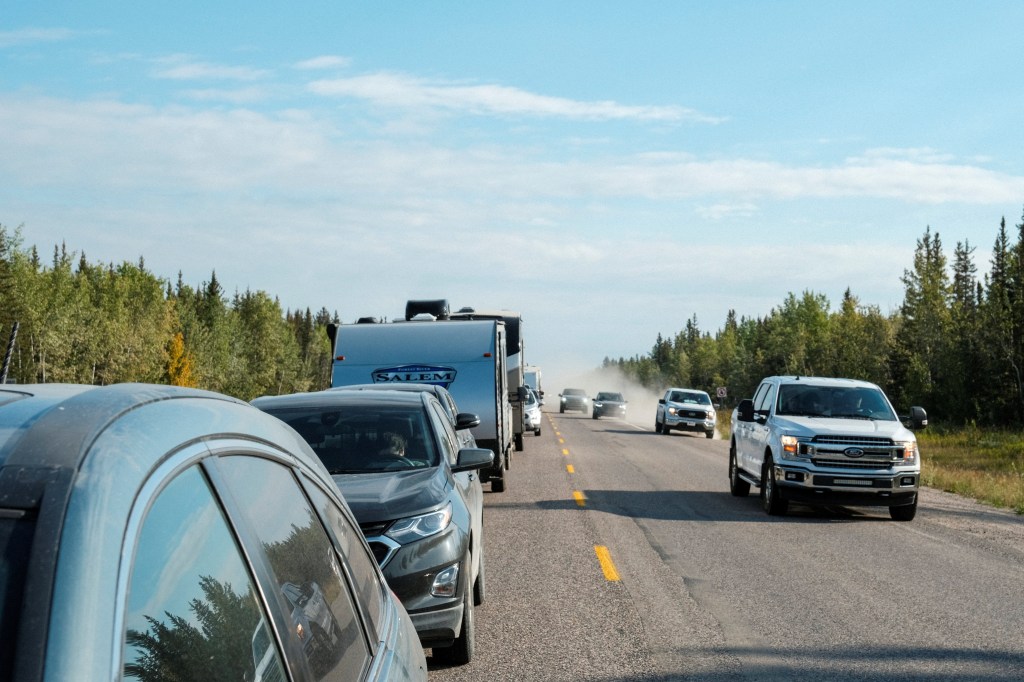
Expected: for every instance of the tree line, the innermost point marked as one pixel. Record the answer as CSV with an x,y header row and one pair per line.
x,y
92,323
955,345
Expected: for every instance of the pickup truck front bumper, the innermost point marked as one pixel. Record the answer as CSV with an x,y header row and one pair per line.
x,y
854,487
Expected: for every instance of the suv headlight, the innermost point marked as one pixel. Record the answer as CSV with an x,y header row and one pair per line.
x,y
416,528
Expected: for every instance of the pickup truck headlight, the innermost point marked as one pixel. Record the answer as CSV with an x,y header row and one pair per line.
x,y
791,448
711,415
416,528
910,452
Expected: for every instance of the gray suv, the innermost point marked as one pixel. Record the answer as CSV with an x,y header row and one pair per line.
x,y
395,456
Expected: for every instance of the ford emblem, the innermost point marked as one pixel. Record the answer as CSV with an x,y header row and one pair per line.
x,y
853,452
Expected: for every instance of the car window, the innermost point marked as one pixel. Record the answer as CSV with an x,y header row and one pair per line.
x,y
192,611
321,616
765,403
762,391
364,438
447,437
361,564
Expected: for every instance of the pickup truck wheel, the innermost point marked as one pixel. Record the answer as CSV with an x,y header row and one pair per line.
x,y
709,434
737,486
905,512
657,426
772,502
666,429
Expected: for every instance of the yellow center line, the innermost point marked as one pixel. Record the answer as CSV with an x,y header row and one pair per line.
x,y
565,451
607,566
570,468
580,500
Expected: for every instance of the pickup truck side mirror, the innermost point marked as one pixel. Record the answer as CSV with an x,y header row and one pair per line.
x,y
745,411
918,418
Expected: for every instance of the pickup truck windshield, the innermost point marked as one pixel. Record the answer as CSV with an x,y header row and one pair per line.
x,y
837,402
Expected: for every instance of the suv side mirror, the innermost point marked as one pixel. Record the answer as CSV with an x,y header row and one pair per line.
x,y
473,458
466,420
745,411
523,394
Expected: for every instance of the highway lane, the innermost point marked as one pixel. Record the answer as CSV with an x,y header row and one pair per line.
x,y
705,586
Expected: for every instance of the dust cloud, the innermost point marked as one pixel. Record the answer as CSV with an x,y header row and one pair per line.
x,y
642,403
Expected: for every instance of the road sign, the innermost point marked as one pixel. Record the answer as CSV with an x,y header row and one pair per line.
x,y
721,392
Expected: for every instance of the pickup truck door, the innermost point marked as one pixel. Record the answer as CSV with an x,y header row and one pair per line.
x,y
759,431
745,434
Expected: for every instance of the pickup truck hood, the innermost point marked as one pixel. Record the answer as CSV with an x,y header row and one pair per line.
x,y
828,426
392,495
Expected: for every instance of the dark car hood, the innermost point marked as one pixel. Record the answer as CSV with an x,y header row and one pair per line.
x,y
391,495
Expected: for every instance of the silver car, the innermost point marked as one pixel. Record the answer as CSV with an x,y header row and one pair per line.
x,y
160,532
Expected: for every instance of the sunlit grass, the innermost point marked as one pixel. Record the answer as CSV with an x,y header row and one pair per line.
x,y
987,465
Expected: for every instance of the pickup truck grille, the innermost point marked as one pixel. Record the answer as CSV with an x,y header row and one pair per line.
x,y
855,452
692,414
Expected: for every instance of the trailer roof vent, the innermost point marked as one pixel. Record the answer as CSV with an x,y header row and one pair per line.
x,y
436,307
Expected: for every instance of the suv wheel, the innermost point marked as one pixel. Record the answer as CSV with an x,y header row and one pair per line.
x,y
737,486
498,485
461,652
770,498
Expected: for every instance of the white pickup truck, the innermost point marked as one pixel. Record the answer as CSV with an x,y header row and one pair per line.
x,y
825,441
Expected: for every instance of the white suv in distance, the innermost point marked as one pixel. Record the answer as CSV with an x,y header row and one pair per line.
x,y
825,441
685,409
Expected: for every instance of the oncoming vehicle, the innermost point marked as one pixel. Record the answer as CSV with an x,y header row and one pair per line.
x,y
825,441
685,409
608,404
159,528
417,496
574,399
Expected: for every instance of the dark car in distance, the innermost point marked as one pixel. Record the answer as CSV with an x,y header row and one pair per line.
x,y
608,404
416,494
156,532
575,399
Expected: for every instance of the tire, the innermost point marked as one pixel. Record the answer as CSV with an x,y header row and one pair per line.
x,y
519,442
709,434
536,432
905,512
666,430
480,584
657,426
594,415
498,485
772,502
461,652
737,486
561,409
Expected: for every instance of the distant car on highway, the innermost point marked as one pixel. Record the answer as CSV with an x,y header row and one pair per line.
x,y
532,413
685,409
417,496
575,399
160,532
609,404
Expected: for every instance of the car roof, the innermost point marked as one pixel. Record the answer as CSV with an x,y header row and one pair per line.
x,y
336,397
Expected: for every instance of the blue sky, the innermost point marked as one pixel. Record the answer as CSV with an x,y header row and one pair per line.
x,y
607,169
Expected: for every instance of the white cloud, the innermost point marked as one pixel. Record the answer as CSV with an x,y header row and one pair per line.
x,y
183,67
324,62
402,91
30,36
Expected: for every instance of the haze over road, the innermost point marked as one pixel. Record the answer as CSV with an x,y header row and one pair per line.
x,y
711,588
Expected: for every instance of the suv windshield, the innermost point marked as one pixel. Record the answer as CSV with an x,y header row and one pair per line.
x,y
614,397
355,439
840,402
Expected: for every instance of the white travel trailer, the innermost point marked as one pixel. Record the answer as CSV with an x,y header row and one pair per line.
x,y
467,358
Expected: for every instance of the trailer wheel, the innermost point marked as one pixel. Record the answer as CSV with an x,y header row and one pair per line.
x,y
519,442
497,485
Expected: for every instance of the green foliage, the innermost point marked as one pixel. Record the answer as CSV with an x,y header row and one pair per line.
x,y
94,323
955,346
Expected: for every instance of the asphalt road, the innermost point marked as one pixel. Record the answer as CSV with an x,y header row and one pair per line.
x,y
618,554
